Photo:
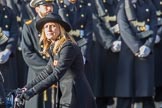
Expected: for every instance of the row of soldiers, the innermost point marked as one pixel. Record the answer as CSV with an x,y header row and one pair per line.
x,y
120,42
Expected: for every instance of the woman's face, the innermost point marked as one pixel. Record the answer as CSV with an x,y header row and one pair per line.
x,y
52,30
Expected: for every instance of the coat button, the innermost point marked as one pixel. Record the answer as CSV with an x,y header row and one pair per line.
x,y
148,20
82,26
104,1
6,26
80,6
65,6
82,15
67,15
147,10
6,16
89,4
44,57
160,2
39,35
106,10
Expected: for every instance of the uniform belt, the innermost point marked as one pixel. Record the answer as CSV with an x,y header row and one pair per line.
x,y
138,23
110,18
77,33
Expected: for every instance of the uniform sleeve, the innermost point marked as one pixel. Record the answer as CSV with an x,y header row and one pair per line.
x,y
14,33
31,56
103,35
127,34
89,23
66,57
153,26
43,75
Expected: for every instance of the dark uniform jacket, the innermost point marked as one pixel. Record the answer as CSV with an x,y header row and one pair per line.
x,y
104,38
8,23
136,75
68,73
79,16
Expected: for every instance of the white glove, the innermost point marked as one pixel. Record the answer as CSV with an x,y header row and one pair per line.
x,y
81,33
157,39
144,51
116,46
7,33
4,56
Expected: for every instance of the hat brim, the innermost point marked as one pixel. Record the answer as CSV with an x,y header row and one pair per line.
x,y
41,22
32,3
35,3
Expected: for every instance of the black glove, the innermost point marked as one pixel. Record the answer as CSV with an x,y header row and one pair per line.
x,y
18,91
19,103
27,94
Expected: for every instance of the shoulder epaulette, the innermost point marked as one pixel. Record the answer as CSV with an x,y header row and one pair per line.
x,y
28,22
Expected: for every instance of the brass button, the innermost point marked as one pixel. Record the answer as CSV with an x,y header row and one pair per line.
x,y
61,1
148,20
160,2
89,4
5,16
80,6
81,26
82,15
65,6
147,10
104,1
67,15
106,10
39,35
6,26
44,57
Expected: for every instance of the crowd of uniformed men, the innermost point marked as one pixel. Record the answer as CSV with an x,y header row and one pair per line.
x,y
120,41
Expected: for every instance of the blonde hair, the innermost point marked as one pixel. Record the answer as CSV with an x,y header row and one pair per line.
x,y
61,39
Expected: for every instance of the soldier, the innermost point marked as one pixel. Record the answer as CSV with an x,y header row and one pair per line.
x,y
158,53
32,48
106,46
135,79
3,39
79,16
19,7
8,27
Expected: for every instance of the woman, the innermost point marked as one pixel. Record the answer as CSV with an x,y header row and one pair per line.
x,y
64,68
135,79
